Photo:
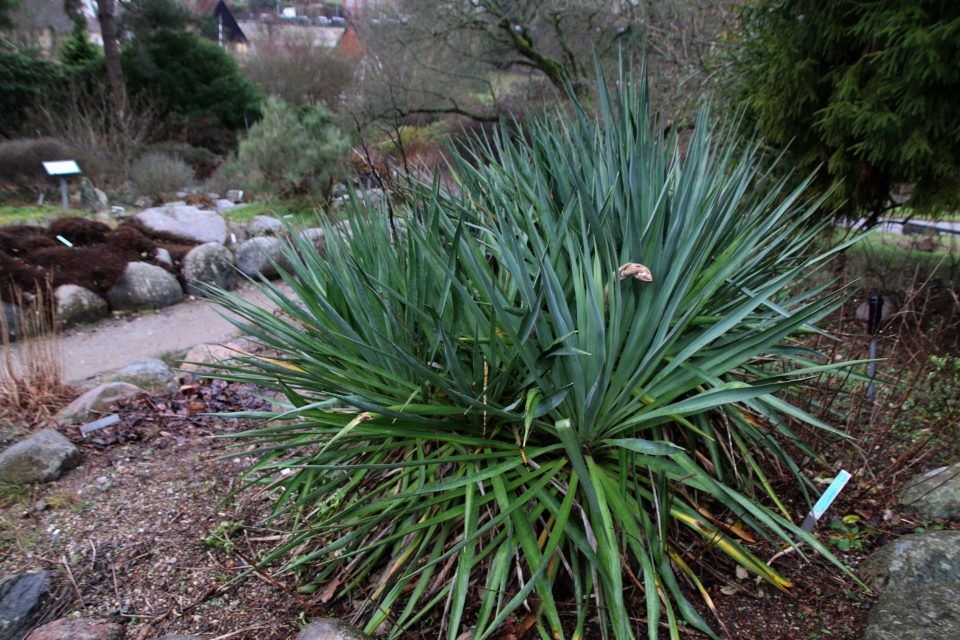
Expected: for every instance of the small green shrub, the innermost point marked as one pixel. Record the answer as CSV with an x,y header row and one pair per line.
x,y
289,152
159,176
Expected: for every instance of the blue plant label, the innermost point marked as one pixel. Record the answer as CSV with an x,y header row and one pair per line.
x,y
830,494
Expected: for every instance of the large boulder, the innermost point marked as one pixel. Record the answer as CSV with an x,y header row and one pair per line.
x,y
931,612
314,237
76,305
264,226
915,560
935,494
92,200
20,602
185,221
90,405
40,458
207,354
261,256
236,234
209,264
78,629
144,286
331,629
148,372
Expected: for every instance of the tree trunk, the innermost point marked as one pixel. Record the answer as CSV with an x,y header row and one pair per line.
x,y
111,52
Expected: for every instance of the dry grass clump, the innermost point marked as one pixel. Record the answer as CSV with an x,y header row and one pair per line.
x,y
159,175
31,382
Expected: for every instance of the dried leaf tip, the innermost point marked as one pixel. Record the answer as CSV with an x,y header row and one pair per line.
x,y
635,270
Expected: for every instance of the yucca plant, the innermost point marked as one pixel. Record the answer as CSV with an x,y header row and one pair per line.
x,y
534,387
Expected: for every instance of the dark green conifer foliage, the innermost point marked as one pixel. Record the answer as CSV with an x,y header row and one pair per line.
x,y
866,90
77,49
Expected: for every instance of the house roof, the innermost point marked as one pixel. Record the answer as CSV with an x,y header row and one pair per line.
x,y
42,14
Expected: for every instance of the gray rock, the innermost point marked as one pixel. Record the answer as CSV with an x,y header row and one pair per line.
x,y
40,458
76,305
90,405
935,494
144,286
212,354
261,256
339,190
314,237
264,226
12,319
213,196
209,264
162,255
92,200
20,602
224,205
149,371
331,629
235,196
235,234
915,560
185,221
182,194
78,629
143,202
931,612
344,229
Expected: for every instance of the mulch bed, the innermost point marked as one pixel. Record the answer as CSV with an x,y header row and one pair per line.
x,y
33,257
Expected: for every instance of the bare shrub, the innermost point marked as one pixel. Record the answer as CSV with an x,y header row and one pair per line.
x,y
88,119
300,73
21,162
158,175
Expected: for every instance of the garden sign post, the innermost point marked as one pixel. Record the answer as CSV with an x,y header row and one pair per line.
x,y
873,328
62,168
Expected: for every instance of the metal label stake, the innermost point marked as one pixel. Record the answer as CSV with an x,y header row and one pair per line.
x,y
873,327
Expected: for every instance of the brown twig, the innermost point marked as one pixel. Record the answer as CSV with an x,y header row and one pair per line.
x,y
66,566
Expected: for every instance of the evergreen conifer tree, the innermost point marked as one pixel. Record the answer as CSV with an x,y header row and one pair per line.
x,y
865,90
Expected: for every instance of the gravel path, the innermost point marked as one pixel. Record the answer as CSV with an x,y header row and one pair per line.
x,y
90,352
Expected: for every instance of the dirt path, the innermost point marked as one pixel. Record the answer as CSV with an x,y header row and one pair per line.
x,y
108,345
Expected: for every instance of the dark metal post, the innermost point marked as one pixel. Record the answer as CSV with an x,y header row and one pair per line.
x,y
873,327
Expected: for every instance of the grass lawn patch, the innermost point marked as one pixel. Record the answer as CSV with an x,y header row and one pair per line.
x,y
11,213
302,213
889,261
